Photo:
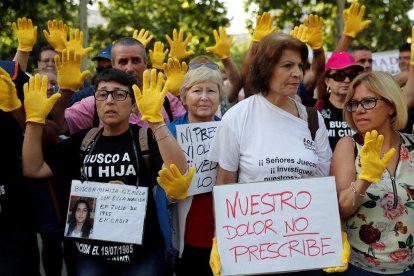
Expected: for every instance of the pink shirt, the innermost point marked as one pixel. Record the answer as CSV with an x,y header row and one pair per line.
x,y
80,115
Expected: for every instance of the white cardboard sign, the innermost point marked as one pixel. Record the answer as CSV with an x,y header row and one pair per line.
x,y
118,213
194,140
280,226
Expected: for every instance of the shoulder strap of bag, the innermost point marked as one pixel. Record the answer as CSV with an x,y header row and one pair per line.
x,y
143,145
313,123
89,137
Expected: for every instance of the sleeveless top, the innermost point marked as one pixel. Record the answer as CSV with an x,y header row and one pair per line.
x,y
381,231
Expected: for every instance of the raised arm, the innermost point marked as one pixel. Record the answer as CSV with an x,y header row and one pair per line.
x,y
37,106
26,35
149,103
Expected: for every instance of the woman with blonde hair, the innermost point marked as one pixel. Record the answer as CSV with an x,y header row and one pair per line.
x,y
375,178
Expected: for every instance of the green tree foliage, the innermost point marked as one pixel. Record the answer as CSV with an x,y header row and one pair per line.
x,y
40,12
199,18
390,25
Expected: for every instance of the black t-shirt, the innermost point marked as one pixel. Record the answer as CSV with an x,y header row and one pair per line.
x,y
15,201
335,123
112,158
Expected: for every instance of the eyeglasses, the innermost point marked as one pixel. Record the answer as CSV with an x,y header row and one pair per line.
x,y
366,103
341,75
210,65
117,95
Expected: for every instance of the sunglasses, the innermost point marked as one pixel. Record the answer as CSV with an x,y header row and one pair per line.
x,y
341,75
210,65
366,103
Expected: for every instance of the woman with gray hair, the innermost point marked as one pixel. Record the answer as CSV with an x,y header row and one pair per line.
x,y
201,92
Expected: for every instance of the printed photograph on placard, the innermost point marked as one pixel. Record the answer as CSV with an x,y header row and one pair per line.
x,y
81,215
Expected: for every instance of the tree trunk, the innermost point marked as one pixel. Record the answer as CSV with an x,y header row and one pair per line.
x,y
83,25
339,21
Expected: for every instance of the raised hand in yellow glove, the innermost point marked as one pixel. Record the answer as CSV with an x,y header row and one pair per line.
x,y
353,23
157,57
372,166
175,74
75,42
215,263
143,36
314,32
36,103
57,35
26,34
178,45
69,75
346,252
151,99
412,46
174,183
301,33
8,94
222,47
263,27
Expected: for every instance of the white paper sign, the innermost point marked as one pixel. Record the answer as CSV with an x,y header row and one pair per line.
x,y
278,226
195,140
117,212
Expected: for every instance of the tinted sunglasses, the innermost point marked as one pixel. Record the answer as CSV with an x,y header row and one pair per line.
x,y
341,75
210,65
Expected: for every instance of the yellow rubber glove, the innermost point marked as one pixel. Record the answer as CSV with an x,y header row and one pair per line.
x,y
57,35
222,47
69,75
353,23
174,183
372,166
151,99
157,57
36,103
263,27
412,46
26,34
346,252
75,42
314,32
8,94
215,262
143,36
301,33
178,45
175,74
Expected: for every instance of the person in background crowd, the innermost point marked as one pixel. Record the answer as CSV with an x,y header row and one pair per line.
x,y
333,87
374,177
363,56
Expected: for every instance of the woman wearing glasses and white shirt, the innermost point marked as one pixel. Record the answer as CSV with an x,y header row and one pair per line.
x,y
117,141
333,87
375,179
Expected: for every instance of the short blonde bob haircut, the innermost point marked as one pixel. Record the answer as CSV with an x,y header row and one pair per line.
x,y
385,86
198,75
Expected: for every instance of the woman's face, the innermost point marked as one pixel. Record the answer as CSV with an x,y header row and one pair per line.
x,y
81,213
375,118
202,101
113,113
287,74
340,87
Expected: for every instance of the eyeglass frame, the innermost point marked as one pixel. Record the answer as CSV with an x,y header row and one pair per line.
x,y
336,78
112,94
211,65
349,104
